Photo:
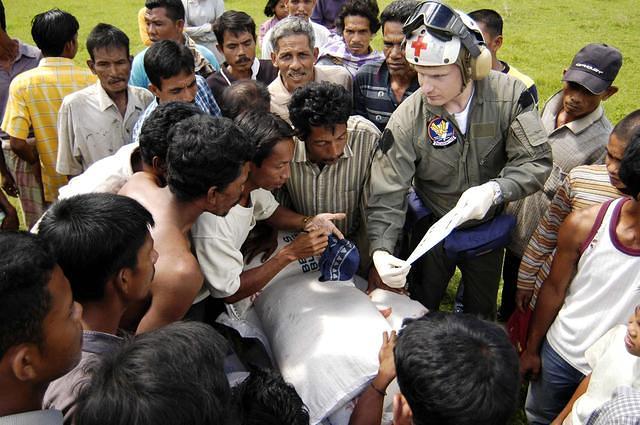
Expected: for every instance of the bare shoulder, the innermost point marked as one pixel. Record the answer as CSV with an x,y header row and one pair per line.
x,y
179,273
577,226
138,182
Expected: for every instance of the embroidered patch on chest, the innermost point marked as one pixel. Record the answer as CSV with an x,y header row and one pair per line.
x,y
441,132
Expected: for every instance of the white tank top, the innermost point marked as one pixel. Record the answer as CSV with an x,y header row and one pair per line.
x,y
602,294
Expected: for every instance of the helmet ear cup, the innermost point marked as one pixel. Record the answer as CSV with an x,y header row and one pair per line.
x,y
481,65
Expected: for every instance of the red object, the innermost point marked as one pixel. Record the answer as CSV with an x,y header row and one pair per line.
x,y
518,329
418,45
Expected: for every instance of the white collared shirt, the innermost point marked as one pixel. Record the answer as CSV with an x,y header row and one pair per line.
x,y
90,126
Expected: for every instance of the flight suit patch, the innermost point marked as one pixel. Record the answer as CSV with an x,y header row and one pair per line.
x,y
441,132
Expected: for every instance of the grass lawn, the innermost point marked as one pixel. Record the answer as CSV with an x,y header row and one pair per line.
x,y
541,37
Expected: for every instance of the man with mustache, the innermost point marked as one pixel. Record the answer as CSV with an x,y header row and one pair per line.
x,y
578,132
206,169
351,48
95,122
294,54
236,34
378,88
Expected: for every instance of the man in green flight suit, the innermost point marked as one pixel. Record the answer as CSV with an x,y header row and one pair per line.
x,y
469,138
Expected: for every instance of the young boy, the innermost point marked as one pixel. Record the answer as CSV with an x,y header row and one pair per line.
x,y
615,359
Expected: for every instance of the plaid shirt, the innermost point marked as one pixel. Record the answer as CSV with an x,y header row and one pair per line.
x,y
204,100
35,97
622,409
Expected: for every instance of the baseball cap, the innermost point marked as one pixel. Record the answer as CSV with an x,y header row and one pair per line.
x,y
340,260
594,67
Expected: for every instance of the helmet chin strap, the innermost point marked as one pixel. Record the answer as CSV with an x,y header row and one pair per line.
x,y
463,65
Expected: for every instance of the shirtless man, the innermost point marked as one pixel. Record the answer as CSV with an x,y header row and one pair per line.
x,y
206,171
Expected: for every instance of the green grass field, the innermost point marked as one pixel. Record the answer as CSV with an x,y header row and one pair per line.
x,y
541,37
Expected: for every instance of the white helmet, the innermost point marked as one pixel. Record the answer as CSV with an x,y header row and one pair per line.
x,y
438,35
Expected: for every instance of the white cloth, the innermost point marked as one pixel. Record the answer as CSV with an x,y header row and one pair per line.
x,y
602,294
90,126
321,37
107,175
612,366
199,17
217,242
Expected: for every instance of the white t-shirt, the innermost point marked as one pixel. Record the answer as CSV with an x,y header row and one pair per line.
x,y
613,366
217,242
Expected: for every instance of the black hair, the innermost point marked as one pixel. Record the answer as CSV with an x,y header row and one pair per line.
x,y
270,8
627,126
93,236
397,11
52,30
153,134
174,8
630,166
264,398
265,131
166,59
103,36
491,20
26,265
204,152
236,22
319,105
173,375
457,369
244,95
365,8
3,18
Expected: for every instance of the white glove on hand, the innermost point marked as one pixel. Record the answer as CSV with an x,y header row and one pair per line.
x,y
393,271
476,201
324,221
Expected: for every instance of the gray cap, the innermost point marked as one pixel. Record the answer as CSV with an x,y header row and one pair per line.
x,y
595,67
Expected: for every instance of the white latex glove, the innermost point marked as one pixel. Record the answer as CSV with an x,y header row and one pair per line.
x,y
393,271
476,201
324,221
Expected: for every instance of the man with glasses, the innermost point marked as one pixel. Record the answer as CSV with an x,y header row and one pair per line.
x,y
469,139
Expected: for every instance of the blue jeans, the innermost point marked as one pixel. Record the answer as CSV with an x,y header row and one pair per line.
x,y
556,384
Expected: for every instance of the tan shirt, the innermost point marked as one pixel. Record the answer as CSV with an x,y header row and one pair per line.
x,y
90,126
280,96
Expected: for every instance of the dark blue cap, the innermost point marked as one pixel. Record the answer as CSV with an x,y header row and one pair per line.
x,y
340,260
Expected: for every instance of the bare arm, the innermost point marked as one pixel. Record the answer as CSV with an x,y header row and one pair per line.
x,y
175,285
305,245
582,388
368,411
572,234
24,150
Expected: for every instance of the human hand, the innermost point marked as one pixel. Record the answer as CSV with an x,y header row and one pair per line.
x,y
476,201
9,184
375,282
262,239
530,365
387,368
307,244
325,221
11,221
393,271
523,298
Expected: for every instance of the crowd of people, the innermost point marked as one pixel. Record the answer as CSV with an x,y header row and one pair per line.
x,y
218,237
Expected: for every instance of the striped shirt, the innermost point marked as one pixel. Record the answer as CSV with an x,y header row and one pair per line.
x,y
35,97
580,142
585,186
203,100
338,187
372,94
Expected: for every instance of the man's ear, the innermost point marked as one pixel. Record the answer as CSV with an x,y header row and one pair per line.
x,y
498,42
155,90
220,48
402,414
609,92
22,359
316,52
123,281
180,24
158,165
212,196
92,66
273,58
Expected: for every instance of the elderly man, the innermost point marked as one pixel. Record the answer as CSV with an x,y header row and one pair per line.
x,y
351,48
165,21
379,88
301,9
294,54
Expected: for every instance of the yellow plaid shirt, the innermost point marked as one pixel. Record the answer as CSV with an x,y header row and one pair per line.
x,y
35,97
